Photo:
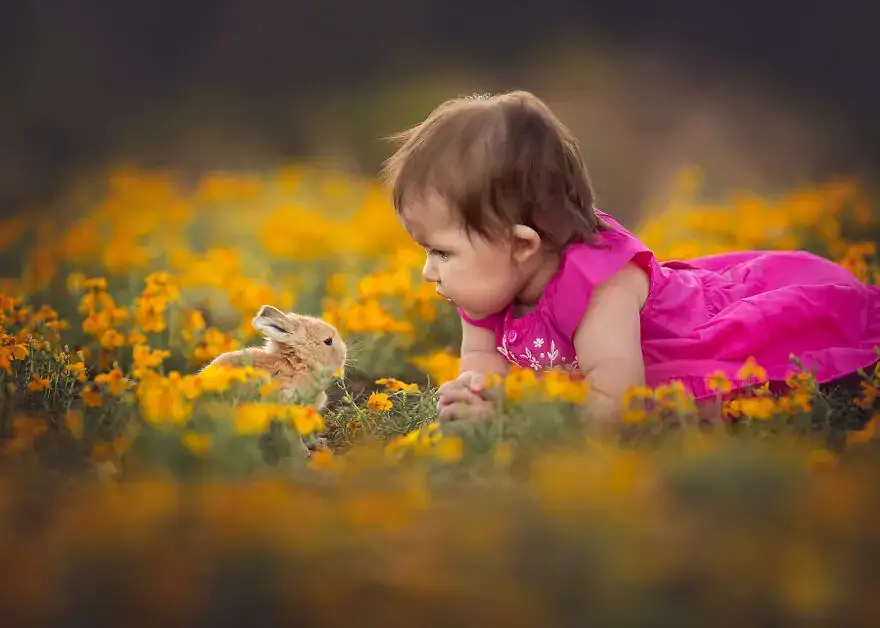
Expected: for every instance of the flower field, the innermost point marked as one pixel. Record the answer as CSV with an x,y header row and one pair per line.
x,y
139,487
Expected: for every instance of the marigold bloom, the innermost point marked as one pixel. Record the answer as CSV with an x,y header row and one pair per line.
x,y
166,399
751,371
379,402
866,434
198,444
112,339
116,382
396,385
38,384
146,358
305,419
92,396
718,382
254,418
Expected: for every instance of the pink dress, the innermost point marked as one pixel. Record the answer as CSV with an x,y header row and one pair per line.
x,y
706,315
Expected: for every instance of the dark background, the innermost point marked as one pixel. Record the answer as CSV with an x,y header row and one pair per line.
x,y
761,93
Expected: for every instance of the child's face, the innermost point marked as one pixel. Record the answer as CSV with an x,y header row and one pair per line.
x,y
479,276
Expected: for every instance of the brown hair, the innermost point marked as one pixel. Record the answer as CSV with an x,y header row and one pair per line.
x,y
499,161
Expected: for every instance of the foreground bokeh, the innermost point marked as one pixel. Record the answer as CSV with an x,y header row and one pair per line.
x,y
140,488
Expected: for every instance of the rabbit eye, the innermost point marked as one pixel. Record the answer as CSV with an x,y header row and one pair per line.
x,y
328,341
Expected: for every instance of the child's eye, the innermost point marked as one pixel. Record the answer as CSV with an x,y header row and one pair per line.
x,y
443,255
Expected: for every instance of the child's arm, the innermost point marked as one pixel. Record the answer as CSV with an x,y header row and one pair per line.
x,y
479,352
464,396
608,341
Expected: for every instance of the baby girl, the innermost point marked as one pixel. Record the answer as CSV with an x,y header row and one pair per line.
x,y
495,190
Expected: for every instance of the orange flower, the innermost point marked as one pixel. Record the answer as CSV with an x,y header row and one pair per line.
x,y
395,384
751,370
379,402
92,396
38,384
718,382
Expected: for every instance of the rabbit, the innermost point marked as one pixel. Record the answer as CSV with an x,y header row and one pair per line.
x,y
296,347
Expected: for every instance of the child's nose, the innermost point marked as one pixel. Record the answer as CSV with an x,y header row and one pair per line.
x,y
428,271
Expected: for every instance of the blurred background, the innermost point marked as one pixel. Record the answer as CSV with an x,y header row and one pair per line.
x,y
762,94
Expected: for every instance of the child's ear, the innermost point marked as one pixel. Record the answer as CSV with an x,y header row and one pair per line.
x,y
526,242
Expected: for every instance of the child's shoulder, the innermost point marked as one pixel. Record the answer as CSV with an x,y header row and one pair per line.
x,y
612,250
616,260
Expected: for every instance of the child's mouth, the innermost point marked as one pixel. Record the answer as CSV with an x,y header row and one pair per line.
x,y
444,296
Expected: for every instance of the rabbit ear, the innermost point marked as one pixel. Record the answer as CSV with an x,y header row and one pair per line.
x,y
269,311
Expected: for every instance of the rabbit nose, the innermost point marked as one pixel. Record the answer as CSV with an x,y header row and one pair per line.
x,y
264,311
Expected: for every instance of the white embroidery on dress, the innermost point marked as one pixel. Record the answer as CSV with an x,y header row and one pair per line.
x,y
554,352
504,351
543,361
533,361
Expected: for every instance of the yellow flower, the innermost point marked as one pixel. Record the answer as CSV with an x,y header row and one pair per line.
x,y
868,397
8,353
115,380
213,343
38,384
198,444
395,384
634,403
112,339
146,358
193,322
426,441
254,418
218,378
751,370
673,396
160,285
78,369
305,419
150,313
165,399
634,415
135,337
519,384
268,388
800,380
325,460
758,408
96,297
441,366
379,402
97,323
799,400
96,284
718,382
866,434
92,397
562,386
449,449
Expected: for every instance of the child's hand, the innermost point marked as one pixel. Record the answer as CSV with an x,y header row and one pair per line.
x,y
464,398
